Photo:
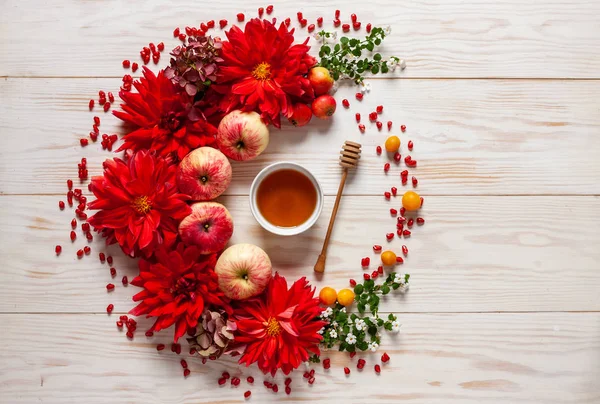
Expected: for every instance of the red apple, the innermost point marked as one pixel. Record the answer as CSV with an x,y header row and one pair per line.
x,y
209,227
244,270
324,106
242,135
320,80
301,115
204,174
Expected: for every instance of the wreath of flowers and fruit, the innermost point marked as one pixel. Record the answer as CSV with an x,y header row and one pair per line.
x,y
215,101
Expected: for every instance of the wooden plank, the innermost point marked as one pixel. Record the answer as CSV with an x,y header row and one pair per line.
x,y
475,38
471,137
452,358
473,254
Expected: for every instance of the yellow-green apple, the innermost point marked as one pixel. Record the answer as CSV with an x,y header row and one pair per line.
x,y
204,174
320,79
244,270
242,135
209,227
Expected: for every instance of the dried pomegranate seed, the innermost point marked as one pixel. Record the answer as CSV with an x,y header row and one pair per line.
x,y
126,64
394,191
303,22
109,259
83,142
260,12
352,282
87,250
372,116
377,369
160,347
393,212
287,21
402,211
88,235
101,94
379,125
362,128
389,125
399,232
387,195
406,233
352,355
113,272
410,222
359,96
110,308
288,381
85,226
123,318
377,248
300,16
385,357
356,25
91,105
106,107
269,9
397,157
405,250
111,97
225,375
222,23
250,379
186,372
374,274
161,45
420,221
368,28
73,235
311,28
378,149
320,21
347,370
275,388
379,109
149,334
326,363
366,277
403,128
380,269
96,122
247,394
181,38
410,144
240,17
57,249
386,167
125,281
414,181
389,236
61,205
176,32
110,287
222,381
336,23
399,260
353,17
346,27
311,380
337,13
346,103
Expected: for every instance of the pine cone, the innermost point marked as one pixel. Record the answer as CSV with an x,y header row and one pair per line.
x,y
213,334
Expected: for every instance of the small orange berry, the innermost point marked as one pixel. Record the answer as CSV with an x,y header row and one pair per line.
x,y
327,296
392,144
388,258
411,200
345,297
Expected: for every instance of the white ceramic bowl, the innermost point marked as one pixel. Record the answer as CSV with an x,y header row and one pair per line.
x,y
285,231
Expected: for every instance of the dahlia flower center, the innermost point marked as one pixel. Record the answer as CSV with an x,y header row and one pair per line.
x,y
185,287
141,205
171,121
273,327
262,71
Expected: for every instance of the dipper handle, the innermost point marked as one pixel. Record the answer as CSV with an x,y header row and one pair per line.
x,y
349,157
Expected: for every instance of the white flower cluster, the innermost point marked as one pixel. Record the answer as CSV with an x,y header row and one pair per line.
x,y
326,313
396,326
360,324
373,346
400,278
350,339
333,333
365,87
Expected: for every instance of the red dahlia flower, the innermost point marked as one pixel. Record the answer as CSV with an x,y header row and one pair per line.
x,y
262,71
279,328
177,288
160,111
140,207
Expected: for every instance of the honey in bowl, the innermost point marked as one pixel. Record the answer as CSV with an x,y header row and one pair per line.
x,y
286,198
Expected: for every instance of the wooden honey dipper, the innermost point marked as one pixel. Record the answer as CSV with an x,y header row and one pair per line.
x,y
349,156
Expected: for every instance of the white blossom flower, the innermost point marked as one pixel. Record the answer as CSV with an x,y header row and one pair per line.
x,y
373,319
326,313
343,310
321,331
402,64
333,333
395,326
317,36
359,324
334,35
350,339
399,278
373,346
387,30
334,323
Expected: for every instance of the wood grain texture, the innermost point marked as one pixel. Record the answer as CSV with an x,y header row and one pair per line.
x,y
473,254
471,137
437,358
475,38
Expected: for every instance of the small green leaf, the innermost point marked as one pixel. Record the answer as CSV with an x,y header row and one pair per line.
x,y
377,41
369,284
336,48
353,42
391,317
395,286
361,307
341,317
377,56
356,52
327,50
344,40
362,345
384,68
336,75
370,46
375,69
372,330
350,348
385,289
358,289
343,346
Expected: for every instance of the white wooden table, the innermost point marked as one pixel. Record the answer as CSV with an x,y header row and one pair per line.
x,y
502,101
